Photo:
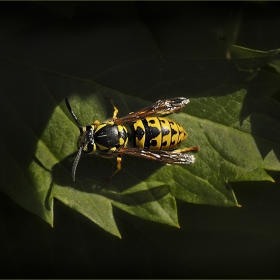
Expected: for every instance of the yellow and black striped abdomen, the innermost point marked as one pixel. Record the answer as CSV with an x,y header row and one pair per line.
x,y
157,133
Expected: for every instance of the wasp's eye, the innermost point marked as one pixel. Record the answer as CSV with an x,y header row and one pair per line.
x,y
89,147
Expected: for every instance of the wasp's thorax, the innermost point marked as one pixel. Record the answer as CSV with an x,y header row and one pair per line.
x,y
104,138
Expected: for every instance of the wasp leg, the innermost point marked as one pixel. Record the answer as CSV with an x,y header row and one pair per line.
x,y
96,123
119,167
115,108
184,150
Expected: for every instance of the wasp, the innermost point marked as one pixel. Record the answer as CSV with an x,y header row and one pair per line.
x,y
141,134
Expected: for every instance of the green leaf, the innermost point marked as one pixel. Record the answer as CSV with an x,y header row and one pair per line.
x,y
232,115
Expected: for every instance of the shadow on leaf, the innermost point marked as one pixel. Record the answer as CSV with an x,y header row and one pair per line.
x,y
91,177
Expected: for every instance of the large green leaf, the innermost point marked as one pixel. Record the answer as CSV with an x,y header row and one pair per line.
x,y
231,116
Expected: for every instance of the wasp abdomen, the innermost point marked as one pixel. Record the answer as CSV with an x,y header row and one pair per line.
x,y
157,133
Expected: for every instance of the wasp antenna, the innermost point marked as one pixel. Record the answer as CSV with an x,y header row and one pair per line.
x,y
73,115
76,161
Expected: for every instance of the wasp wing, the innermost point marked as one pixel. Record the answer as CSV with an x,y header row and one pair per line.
x,y
169,157
162,107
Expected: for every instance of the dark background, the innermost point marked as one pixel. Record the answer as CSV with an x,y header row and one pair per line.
x,y
212,242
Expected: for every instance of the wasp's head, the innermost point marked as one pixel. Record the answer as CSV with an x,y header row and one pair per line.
x,y
85,141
